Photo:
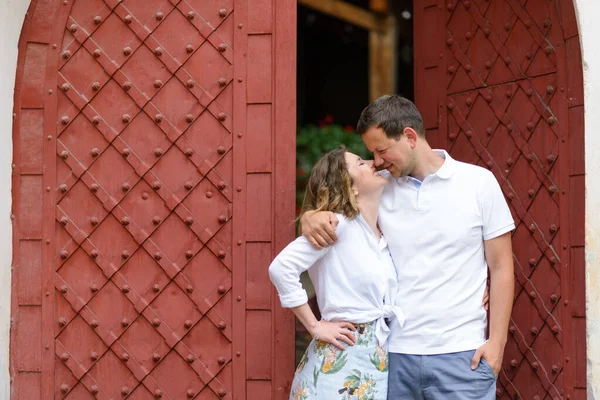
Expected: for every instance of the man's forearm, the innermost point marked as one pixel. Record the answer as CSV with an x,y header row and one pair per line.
x,y
501,301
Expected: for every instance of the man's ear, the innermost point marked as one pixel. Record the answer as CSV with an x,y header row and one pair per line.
x,y
411,136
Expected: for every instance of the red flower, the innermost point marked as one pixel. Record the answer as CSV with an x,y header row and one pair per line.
x,y
328,119
349,128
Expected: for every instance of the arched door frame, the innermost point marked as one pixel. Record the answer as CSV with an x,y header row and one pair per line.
x,y
14,15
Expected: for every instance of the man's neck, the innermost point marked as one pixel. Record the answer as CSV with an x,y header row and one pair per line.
x,y
429,163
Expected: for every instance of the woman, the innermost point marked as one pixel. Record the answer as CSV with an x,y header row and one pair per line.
x,y
355,282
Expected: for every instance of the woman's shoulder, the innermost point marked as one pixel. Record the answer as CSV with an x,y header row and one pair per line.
x,y
344,223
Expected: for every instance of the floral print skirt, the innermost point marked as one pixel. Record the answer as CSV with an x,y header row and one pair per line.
x,y
359,372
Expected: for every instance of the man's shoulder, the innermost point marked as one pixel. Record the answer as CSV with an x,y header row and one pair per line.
x,y
473,173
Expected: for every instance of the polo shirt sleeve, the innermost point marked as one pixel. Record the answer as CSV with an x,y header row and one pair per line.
x,y
497,219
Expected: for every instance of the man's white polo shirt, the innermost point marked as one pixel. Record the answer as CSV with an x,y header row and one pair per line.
x,y
435,232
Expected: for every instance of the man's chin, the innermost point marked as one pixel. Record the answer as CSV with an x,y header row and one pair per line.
x,y
394,172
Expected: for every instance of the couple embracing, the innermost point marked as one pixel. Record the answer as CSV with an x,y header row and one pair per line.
x,y
399,250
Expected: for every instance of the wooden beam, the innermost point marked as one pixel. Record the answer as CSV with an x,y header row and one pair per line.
x,y
382,60
382,29
379,5
346,12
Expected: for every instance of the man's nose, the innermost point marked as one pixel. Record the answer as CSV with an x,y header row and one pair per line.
x,y
377,160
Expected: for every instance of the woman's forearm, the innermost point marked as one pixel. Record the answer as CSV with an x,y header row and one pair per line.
x,y
307,318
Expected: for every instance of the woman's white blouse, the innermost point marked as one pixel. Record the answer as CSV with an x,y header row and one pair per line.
x,y
355,279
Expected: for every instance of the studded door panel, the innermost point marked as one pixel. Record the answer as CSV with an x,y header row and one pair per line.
x,y
162,211
496,91
144,200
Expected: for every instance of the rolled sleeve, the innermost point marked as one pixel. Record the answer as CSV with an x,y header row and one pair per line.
x,y
285,271
294,299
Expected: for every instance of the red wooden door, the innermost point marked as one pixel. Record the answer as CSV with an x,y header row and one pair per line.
x,y
499,83
151,193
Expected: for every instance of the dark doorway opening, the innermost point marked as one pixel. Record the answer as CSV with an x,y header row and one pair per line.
x,y
333,63
334,74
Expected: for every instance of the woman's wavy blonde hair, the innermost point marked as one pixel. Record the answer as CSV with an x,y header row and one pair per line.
x,y
329,186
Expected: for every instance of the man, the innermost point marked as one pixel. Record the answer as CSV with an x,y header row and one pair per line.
x,y
446,223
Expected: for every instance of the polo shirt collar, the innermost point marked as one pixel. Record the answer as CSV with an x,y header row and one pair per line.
x,y
445,171
449,166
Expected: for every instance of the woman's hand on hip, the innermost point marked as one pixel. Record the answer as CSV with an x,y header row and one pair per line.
x,y
336,332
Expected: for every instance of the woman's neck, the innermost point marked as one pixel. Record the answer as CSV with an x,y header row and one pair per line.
x,y
369,209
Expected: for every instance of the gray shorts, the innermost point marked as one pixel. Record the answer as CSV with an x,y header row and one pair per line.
x,y
440,376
